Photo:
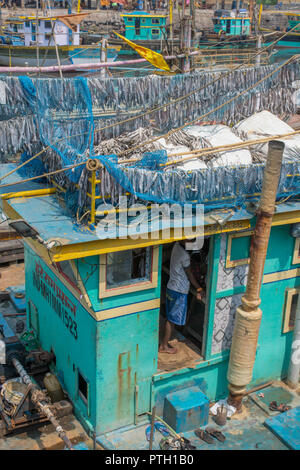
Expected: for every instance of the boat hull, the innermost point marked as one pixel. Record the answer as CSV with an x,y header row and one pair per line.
x,y
26,56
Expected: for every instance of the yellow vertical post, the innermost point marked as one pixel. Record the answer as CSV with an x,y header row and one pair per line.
x,y
93,166
78,6
171,18
260,15
93,197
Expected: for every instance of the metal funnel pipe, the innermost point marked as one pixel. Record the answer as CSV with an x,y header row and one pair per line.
x,y
248,315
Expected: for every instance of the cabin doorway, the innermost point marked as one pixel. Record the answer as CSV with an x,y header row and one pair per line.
x,y
189,338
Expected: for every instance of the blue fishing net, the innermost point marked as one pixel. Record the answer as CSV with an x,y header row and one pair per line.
x,y
33,168
65,117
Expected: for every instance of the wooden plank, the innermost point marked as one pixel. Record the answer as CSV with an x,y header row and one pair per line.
x,y
9,235
11,258
9,245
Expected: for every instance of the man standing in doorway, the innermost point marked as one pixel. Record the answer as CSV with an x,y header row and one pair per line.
x,y
181,277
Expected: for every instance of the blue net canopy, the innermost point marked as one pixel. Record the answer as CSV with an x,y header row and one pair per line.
x,y
66,115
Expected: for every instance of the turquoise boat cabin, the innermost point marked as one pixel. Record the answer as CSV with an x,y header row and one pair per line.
x,y
231,23
142,26
98,305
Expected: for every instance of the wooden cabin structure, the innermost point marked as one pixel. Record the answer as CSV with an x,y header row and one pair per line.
x,y
98,304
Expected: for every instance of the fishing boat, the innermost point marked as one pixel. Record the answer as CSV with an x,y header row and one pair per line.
x,y
46,41
232,28
145,30
290,40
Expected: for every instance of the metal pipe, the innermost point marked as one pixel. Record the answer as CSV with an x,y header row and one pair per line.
x,y
38,398
152,427
248,315
294,366
89,66
136,404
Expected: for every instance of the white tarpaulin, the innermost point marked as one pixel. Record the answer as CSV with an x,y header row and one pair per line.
x,y
215,136
265,124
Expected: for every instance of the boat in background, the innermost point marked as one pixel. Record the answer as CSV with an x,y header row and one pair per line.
x,y
292,39
145,30
231,30
28,41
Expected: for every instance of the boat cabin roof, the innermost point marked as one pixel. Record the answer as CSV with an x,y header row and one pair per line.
x,y
77,241
137,14
226,15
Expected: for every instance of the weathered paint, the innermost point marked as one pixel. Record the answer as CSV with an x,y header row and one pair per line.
x,y
118,356
114,356
287,427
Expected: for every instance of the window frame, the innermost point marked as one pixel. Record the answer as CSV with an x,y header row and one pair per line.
x,y
238,262
66,277
287,308
153,31
105,292
296,255
85,400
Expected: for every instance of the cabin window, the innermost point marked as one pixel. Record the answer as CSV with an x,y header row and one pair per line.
x,y
155,21
143,20
296,255
290,306
128,271
238,249
155,32
47,37
27,24
83,388
68,271
130,20
47,24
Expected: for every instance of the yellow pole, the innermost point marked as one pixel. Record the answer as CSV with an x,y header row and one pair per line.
x,y
93,198
78,6
171,18
260,14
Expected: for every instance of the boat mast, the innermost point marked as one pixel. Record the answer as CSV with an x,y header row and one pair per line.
x,y
37,36
55,43
251,10
171,20
192,13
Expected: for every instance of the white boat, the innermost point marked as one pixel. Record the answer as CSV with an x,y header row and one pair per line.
x,y
31,42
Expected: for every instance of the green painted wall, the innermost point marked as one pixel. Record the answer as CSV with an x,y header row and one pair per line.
x,y
127,350
59,334
115,356
118,356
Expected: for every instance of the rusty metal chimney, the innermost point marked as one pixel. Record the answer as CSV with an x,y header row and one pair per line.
x,y
248,315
